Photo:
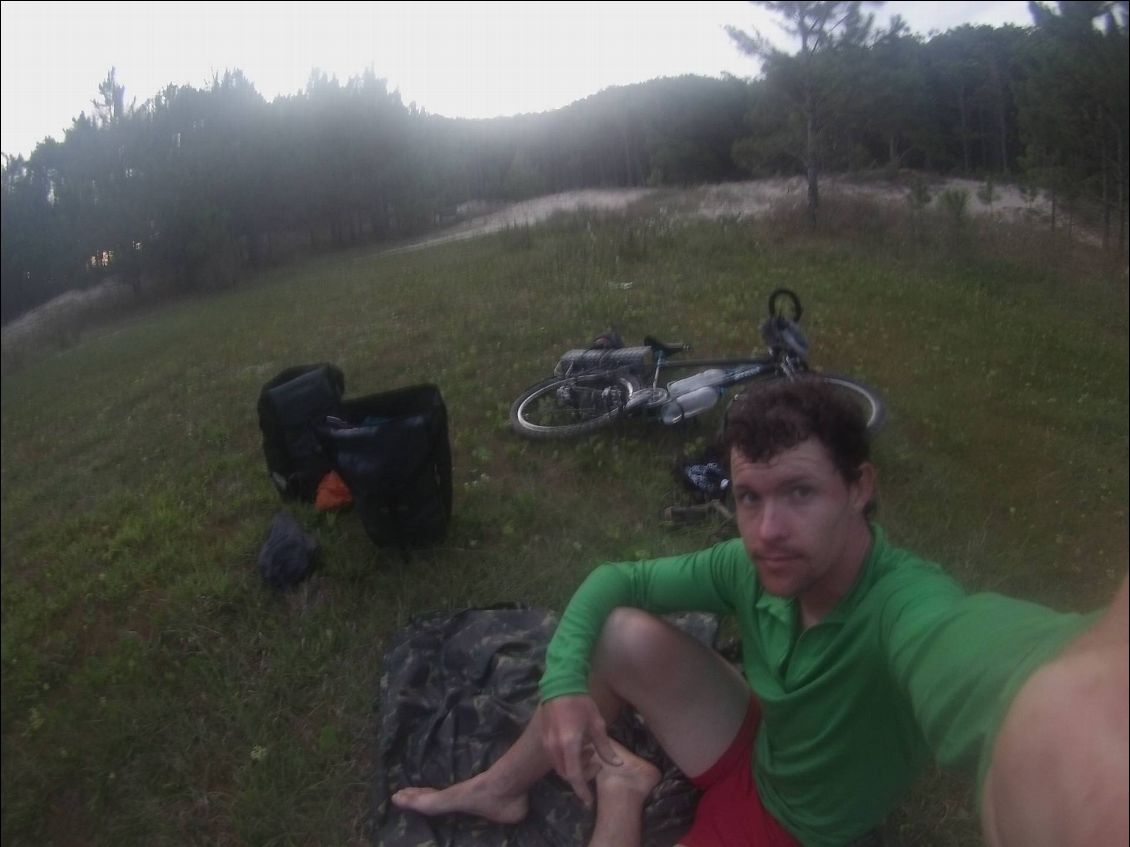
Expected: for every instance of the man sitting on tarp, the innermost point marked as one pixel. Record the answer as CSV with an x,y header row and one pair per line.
x,y
861,663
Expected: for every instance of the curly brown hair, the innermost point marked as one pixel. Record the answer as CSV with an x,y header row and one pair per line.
x,y
771,417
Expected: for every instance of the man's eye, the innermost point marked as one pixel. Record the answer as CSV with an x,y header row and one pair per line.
x,y
747,498
800,493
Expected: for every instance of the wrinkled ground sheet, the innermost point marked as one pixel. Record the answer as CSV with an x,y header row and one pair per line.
x,y
455,692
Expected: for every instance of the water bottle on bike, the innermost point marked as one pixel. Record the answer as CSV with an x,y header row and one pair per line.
x,y
692,396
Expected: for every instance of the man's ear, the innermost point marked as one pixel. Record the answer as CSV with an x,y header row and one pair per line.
x,y
863,489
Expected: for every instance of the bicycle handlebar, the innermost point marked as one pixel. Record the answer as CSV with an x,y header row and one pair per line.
x,y
794,301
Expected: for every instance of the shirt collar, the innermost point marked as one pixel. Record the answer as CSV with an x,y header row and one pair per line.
x,y
782,608
863,580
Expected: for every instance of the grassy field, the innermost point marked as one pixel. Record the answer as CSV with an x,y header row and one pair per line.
x,y
155,692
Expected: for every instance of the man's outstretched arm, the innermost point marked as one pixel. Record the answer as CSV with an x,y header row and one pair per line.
x,y
1059,773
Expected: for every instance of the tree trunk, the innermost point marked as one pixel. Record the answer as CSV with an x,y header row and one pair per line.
x,y
813,175
629,178
1002,122
1120,177
981,134
1106,206
1121,219
1003,127
964,129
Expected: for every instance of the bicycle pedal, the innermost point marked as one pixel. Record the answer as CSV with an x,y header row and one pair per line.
x,y
698,512
686,514
722,510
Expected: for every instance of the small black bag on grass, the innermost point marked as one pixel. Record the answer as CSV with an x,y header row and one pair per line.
x,y
290,406
393,452
288,553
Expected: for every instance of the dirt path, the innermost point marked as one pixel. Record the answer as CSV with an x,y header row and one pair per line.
x,y
484,219
728,200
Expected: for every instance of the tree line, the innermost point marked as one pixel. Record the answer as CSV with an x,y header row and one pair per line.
x,y
195,184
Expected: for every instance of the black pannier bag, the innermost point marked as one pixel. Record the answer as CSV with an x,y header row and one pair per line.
x,y
290,407
392,450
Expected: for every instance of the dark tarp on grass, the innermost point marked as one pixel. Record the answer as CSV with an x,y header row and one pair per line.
x,y
455,692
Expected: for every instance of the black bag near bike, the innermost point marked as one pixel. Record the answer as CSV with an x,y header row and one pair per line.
x,y
393,451
290,407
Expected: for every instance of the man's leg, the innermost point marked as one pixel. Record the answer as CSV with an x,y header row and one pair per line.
x,y
690,698
498,793
1059,770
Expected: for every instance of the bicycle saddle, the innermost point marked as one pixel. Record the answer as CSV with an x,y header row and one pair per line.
x,y
658,346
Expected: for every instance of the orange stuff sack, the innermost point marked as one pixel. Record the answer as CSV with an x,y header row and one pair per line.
x,y
332,494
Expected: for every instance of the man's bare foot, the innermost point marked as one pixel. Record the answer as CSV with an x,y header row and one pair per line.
x,y
632,780
621,791
475,796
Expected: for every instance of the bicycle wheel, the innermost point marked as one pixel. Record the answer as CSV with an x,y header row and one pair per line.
x,y
573,405
874,412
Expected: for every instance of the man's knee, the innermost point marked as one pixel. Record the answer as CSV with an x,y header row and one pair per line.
x,y
632,640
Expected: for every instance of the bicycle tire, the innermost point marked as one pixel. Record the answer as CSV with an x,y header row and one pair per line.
x,y
598,399
874,410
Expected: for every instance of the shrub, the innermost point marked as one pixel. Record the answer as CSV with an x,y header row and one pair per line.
x,y
954,203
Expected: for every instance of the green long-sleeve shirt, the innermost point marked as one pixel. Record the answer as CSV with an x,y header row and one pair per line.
x,y
907,666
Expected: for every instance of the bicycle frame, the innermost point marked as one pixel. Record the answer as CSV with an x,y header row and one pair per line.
x,y
737,370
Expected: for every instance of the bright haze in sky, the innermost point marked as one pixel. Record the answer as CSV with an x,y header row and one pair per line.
x,y
465,59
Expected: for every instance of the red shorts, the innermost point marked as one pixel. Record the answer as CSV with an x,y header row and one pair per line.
x,y
730,813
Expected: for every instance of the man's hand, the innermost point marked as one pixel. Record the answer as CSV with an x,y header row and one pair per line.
x,y
572,729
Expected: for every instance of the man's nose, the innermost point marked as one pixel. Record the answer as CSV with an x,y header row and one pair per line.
x,y
771,522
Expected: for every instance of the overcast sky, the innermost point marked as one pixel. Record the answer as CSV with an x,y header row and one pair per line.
x,y
463,59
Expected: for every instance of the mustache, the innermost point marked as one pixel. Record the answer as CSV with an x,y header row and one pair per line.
x,y
777,553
